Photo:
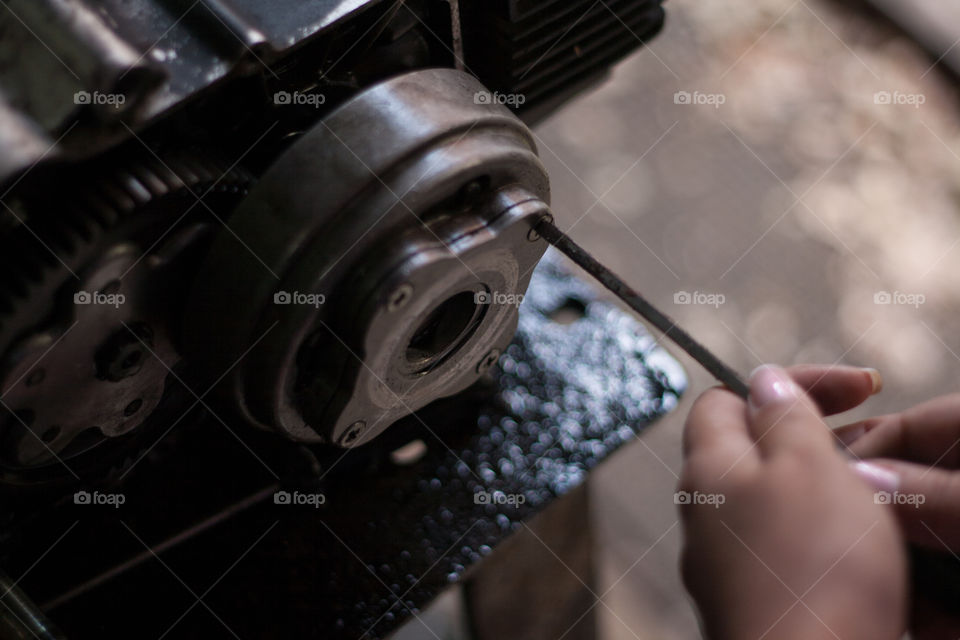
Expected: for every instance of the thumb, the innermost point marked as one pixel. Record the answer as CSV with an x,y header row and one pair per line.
x,y
781,415
926,499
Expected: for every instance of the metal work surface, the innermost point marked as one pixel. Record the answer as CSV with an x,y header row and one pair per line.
x,y
581,379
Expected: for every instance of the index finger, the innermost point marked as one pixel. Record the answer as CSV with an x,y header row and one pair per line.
x,y
837,388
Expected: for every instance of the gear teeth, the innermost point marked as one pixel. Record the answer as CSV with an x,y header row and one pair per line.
x,y
117,195
63,240
101,204
75,228
134,187
96,207
84,227
191,182
150,181
168,176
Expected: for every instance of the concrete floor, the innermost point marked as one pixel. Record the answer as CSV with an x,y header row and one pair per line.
x,y
800,200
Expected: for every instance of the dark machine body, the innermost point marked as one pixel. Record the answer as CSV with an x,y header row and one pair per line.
x,y
298,211
240,239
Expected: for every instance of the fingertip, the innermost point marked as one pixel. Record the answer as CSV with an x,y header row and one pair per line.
x,y
876,380
876,476
782,415
770,384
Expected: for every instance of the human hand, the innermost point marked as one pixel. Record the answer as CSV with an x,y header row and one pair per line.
x,y
913,456
798,548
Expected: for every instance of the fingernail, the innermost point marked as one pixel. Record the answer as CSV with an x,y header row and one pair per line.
x,y
850,436
769,384
877,477
877,380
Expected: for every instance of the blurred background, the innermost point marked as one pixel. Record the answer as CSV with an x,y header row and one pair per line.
x,y
783,177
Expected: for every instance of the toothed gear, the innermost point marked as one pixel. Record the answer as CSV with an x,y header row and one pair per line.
x,y
94,275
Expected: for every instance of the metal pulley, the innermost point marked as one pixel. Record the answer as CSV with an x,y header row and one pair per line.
x,y
377,265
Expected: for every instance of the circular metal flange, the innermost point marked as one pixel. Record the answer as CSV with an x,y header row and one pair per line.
x,y
355,283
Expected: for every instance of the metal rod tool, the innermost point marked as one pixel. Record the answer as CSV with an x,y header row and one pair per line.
x,y
720,370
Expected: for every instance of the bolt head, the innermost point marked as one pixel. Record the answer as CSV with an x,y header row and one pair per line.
x,y
488,361
400,297
123,354
351,435
532,235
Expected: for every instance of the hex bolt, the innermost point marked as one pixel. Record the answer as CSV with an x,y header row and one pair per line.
x,y
352,434
123,354
533,235
400,297
488,361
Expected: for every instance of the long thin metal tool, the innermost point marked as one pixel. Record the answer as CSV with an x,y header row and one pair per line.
x,y
725,374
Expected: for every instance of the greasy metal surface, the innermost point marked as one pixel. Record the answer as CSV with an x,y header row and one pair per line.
x,y
388,538
64,63
283,23
190,45
157,53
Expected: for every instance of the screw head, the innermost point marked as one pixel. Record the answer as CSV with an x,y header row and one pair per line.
x,y
123,354
400,297
488,361
532,235
351,435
